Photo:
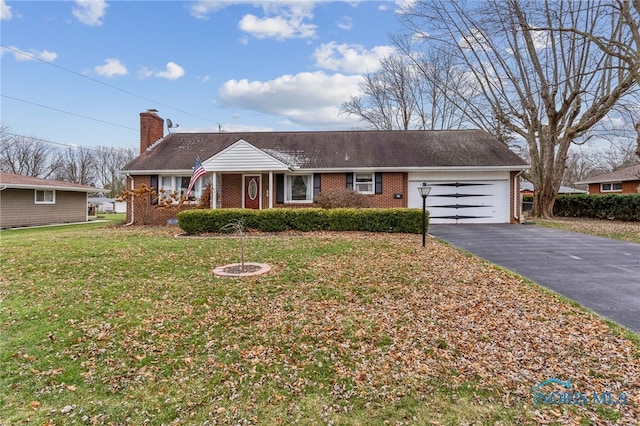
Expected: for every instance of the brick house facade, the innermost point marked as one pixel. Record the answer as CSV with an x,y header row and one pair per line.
x,y
475,178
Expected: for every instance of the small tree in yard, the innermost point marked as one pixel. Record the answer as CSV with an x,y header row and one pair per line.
x,y
237,226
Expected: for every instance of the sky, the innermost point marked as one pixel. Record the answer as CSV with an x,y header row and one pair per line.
x,y
80,72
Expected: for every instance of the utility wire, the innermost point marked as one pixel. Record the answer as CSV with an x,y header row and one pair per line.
x,y
68,145
67,112
103,83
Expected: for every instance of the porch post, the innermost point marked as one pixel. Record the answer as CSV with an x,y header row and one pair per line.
x,y
214,190
270,189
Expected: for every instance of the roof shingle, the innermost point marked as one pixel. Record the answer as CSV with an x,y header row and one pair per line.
x,y
338,150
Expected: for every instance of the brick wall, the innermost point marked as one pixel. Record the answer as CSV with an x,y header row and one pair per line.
x,y
628,187
231,193
151,129
392,183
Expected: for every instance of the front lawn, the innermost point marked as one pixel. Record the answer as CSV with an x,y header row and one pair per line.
x,y
128,326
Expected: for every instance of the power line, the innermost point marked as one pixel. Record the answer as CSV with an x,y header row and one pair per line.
x,y
103,83
68,145
67,112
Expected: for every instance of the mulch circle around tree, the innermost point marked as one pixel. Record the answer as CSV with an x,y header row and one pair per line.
x,y
240,270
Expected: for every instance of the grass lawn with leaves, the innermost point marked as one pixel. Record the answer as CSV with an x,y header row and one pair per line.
x,y
614,229
129,326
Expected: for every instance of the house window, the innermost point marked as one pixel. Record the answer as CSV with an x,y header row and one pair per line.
x,y
45,196
298,189
611,187
364,183
178,185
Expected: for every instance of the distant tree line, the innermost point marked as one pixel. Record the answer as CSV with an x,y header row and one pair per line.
x,y
99,167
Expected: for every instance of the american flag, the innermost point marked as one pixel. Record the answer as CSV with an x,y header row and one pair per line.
x,y
198,172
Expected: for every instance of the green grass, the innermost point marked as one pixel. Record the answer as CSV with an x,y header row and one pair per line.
x,y
114,325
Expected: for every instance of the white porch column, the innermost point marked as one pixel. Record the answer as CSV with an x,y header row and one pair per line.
x,y
214,190
270,189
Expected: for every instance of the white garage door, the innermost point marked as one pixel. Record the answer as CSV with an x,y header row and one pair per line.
x,y
464,202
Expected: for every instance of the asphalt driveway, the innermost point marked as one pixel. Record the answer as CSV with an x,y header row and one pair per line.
x,y
599,273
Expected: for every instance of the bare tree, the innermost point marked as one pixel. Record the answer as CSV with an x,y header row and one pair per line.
x,y
78,165
548,87
626,13
407,93
388,97
26,156
109,162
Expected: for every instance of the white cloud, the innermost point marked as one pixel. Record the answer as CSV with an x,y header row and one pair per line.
x,y
90,12
112,67
345,23
172,72
203,8
5,11
31,55
287,20
308,99
352,58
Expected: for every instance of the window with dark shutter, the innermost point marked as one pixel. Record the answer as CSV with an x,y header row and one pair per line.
x,y
349,178
280,188
316,184
153,183
378,181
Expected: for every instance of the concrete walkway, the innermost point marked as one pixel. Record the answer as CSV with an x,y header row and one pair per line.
x,y
599,273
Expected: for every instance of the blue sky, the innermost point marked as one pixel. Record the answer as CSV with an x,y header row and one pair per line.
x,y
80,72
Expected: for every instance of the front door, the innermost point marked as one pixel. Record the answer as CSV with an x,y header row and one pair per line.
x,y
252,192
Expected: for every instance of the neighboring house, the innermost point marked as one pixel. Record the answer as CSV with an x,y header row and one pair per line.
x,y
475,177
29,201
526,188
623,181
107,205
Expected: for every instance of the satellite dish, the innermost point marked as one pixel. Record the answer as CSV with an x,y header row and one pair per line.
x,y
170,124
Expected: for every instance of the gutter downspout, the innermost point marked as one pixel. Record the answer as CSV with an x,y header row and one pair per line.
x,y
132,203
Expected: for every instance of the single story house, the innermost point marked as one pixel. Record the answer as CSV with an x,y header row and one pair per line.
x,y
623,181
474,177
29,201
526,188
107,205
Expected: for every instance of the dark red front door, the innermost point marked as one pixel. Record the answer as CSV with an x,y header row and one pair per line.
x,y
252,192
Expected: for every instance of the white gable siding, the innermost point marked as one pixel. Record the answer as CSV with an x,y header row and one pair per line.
x,y
243,157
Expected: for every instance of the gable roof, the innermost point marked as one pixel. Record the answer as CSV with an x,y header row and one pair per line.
x,y
340,150
13,181
622,175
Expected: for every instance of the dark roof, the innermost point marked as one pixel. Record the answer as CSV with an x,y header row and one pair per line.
x,y
11,180
339,150
622,175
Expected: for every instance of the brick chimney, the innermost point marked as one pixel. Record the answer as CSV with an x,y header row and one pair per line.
x,y
151,129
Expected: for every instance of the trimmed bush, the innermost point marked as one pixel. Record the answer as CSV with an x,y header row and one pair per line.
x,y
341,198
308,219
612,206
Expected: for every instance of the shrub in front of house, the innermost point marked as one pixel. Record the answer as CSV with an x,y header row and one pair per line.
x,y
611,206
400,220
341,198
